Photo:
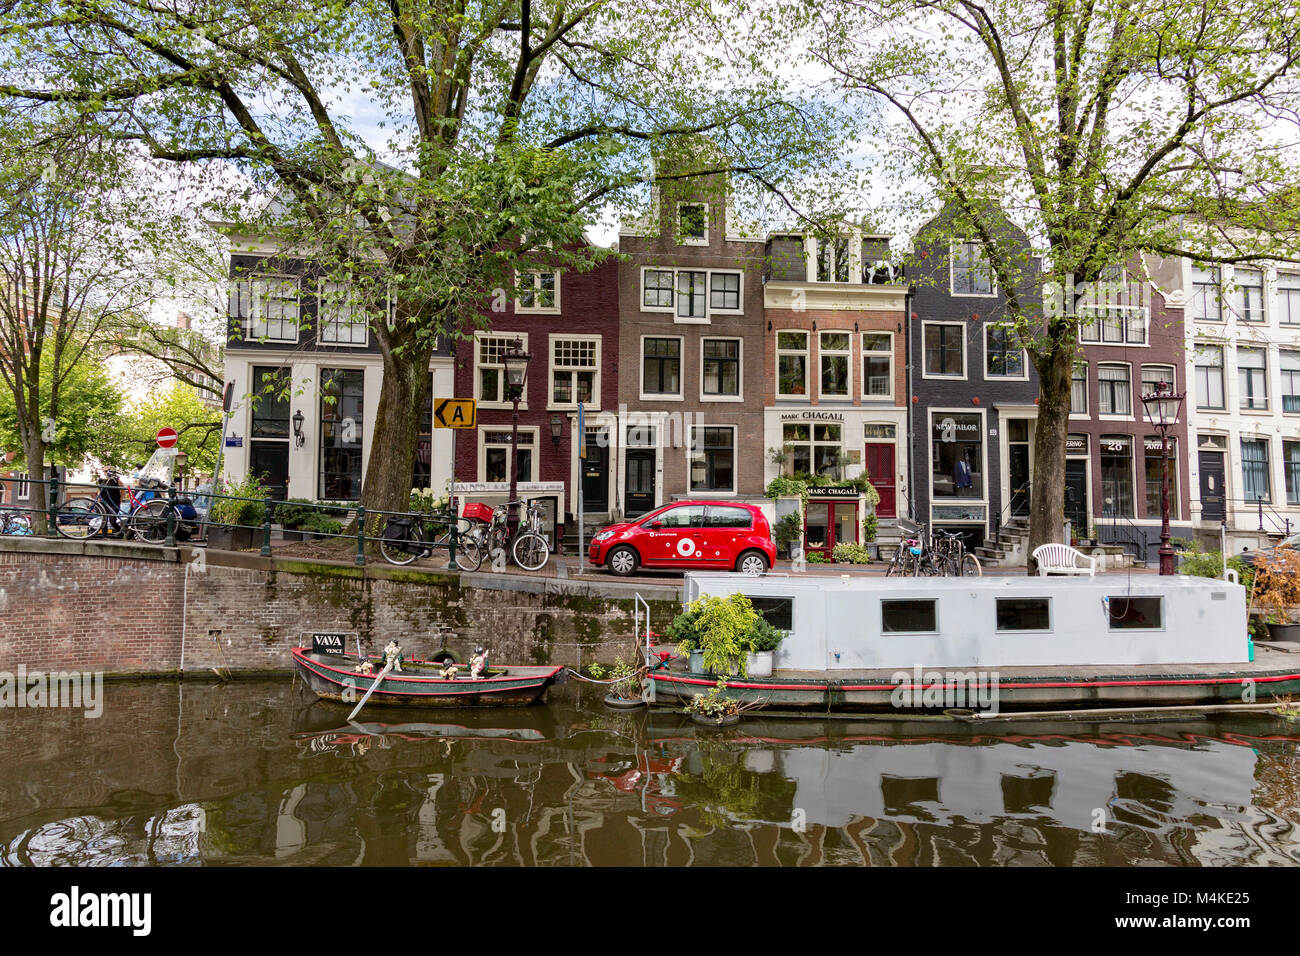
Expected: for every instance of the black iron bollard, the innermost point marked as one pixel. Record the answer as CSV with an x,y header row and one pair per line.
x,y
171,518
52,506
266,527
361,534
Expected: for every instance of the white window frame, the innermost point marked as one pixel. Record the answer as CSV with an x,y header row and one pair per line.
x,y
847,354
1266,408
258,285
1223,377
323,322
984,470
735,460
1024,356
863,352
502,401
740,369
1236,302
510,459
1132,470
806,352
1282,373
1196,294
948,377
834,263
1132,409
682,238
1288,297
813,443
1124,341
536,276
681,371
952,272
1087,384
709,310
552,367
22,486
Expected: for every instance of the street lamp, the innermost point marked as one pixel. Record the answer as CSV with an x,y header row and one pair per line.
x,y
298,419
1163,407
516,362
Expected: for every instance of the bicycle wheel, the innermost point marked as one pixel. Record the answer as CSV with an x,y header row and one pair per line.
x,y
81,518
970,566
149,521
401,548
531,552
469,552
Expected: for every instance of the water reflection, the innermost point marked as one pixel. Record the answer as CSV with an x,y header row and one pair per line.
x,y
261,773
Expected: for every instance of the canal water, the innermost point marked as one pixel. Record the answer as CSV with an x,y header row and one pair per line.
x,y
261,773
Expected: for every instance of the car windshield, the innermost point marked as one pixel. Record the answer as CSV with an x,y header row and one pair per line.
x,y
1290,542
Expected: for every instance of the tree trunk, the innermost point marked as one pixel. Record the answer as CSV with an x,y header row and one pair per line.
x,y
34,453
403,397
1047,516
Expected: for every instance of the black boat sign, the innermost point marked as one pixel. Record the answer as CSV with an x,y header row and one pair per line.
x,y
330,642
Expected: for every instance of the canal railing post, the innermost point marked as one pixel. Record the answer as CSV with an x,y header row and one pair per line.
x,y
451,542
171,518
266,526
52,505
361,542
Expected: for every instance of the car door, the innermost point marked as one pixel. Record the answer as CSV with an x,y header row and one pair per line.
x,y
674,538
725,529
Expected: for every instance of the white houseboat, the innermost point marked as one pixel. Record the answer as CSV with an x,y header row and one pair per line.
x,y
997,643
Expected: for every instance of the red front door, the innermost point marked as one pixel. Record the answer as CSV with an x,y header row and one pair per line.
x,y
880,467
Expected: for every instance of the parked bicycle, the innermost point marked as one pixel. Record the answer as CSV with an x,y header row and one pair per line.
x,y
15,522
141,516
409,537
933,554
528,546
952,556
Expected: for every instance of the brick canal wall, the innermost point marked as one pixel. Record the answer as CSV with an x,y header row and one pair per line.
x,y
132,609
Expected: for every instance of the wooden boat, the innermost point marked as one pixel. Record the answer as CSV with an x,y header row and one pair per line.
x,y
419,684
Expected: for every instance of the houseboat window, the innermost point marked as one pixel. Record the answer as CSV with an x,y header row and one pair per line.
x,y
1024,614
779,611
1134,613
909,617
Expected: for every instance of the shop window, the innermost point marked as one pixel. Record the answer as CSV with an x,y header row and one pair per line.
x,y
1117,476
813,448
1151,472
957,455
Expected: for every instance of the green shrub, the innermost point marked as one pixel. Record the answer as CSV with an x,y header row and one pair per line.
x,y
1209,564
764,636
318,523
292,513
851,553
225,511
870,527
815,557
721,628
788,530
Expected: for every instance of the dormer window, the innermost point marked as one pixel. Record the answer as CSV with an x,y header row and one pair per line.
x,y
833,260
693,223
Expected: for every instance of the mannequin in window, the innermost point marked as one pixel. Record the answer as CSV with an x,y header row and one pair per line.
x,y
961,473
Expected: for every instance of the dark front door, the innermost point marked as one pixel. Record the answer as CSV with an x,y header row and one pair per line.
x,y
640,482
1018,466
269,461
595,476
1076,495
1212,492
879,460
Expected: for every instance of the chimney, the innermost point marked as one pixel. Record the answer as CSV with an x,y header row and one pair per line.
x,y
183,320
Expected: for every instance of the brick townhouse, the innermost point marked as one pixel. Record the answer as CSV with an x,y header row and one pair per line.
x,y
569,323
691,364
973,390
835,384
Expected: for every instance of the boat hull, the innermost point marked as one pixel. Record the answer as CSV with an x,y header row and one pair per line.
x,y
934,690
331,677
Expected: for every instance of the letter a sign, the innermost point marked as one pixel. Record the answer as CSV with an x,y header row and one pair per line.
x,y
454,412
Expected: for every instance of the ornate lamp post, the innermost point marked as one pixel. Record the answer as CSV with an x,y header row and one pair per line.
x,y
516,362
1163,406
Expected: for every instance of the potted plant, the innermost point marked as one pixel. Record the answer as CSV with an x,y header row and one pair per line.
x,y
625,687
1276,590
764,638
236,514
719,630
714,709
787,531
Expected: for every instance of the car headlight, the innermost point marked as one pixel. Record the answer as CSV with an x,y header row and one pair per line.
x,y
601,536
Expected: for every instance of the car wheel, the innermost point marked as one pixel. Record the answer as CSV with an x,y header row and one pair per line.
x,y
752,562
622,561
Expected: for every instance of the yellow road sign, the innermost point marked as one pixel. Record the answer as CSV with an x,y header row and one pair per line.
x,y
454,412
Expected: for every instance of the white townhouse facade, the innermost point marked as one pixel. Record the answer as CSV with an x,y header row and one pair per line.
x,y
1243,399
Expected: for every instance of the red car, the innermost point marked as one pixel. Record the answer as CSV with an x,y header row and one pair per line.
x,y
686,535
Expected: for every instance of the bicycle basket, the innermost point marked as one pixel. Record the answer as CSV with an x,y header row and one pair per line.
x,y
477,511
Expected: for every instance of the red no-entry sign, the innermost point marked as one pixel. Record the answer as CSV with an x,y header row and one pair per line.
x,y
166,437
